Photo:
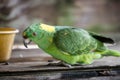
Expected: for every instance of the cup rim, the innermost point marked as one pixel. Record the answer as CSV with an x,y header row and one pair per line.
x,y
8,30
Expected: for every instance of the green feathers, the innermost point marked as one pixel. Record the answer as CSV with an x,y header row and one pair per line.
x,y
68,44
73,41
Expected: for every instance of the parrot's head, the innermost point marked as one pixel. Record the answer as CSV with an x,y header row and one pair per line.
x,y
30,33
36,31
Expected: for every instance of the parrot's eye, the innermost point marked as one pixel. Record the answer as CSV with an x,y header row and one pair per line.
x,y
34,34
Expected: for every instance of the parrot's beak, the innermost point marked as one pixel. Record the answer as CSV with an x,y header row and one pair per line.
x,y
26,41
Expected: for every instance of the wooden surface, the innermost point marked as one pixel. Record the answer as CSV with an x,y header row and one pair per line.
x,y
35,60
25,63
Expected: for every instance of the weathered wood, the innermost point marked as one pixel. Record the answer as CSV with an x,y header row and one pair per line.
x,y
32,65
34,60
58,77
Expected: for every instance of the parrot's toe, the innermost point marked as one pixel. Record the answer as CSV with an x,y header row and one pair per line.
x,y
52,63
67,65
60,64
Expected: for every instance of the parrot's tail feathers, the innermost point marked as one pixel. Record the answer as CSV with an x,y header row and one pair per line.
x,y
111,53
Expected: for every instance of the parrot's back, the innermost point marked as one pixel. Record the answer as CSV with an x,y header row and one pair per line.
x,y
74,41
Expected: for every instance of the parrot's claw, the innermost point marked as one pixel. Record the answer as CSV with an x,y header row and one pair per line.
x,y
66,65
60,64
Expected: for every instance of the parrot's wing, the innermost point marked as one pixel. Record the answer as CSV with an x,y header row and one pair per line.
x,y
101,38
72,40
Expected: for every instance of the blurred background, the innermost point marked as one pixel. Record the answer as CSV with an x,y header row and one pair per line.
x,y
101,16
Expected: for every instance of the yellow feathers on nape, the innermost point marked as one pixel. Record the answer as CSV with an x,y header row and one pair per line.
x,y
47,28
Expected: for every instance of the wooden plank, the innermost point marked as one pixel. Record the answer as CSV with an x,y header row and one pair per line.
x,y
58,77
35,60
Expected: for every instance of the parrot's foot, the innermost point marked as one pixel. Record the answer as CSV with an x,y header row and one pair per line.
x,y
67,65
60,64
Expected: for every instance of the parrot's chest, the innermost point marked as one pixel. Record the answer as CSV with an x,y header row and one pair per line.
x,y
45,42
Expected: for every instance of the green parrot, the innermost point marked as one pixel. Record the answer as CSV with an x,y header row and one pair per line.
x,y
68,44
